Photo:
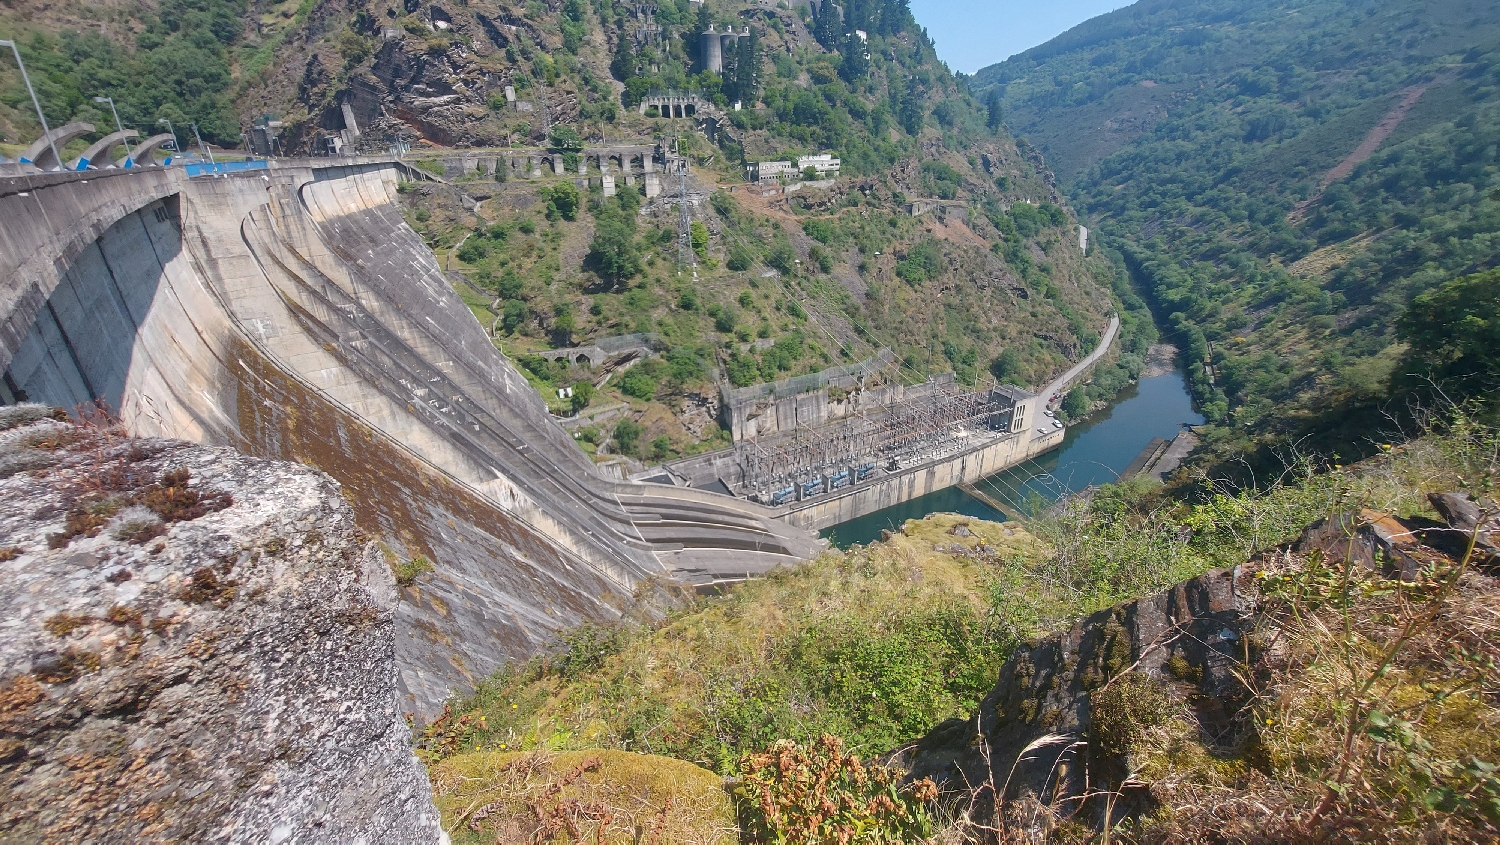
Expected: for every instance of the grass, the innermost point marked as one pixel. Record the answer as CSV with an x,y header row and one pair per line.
x,y
876,645
594,796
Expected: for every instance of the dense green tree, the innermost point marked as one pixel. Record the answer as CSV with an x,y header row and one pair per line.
x,y
1075,404
1006,368
1454,337
583,394
565,139
562,201
612,253
994,111
628,435
623,65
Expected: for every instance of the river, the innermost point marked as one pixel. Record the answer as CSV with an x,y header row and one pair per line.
x,y
1093,452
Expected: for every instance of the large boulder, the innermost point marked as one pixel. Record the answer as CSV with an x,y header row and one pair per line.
x,y
1037,734
197,646
1059,724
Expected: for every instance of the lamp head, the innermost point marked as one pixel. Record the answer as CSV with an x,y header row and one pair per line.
x,y
103,100
7,43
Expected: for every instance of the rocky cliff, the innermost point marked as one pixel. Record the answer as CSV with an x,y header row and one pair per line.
x,y
198,646
1036,733
1173,708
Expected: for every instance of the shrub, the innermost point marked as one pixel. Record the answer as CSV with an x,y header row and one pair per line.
x,y
819,230
699,234
1123,710
923,262
628,435
408,571
783,258
820,793
473,251
740,259
585,649
638,383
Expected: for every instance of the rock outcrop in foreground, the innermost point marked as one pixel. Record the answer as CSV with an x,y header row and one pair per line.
x,y
197,646
1065,723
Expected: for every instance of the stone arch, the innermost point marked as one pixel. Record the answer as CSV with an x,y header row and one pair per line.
x,y
98,152
141,155
40,153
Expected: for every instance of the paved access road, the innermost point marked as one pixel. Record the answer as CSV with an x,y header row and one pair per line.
x,y
1063,381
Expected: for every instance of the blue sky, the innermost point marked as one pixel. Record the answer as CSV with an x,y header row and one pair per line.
x,y
972,34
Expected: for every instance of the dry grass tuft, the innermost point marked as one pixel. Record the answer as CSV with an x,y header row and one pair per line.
x,y
581,796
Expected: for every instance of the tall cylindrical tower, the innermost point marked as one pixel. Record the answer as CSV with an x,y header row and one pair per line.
x,y
712,50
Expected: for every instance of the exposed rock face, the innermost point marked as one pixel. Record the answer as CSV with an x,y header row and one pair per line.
x,y
1196,629
1463,515
197,646
1044,731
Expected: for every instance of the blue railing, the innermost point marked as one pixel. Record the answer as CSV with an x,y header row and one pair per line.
x,y
226,167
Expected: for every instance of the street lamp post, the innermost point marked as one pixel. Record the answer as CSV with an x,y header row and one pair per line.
x,y
111,101
172,132
46,133
205,150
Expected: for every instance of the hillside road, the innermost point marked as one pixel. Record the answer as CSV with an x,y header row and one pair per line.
x,y
1062,382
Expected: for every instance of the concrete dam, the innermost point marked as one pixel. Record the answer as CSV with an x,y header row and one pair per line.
x,y
288,311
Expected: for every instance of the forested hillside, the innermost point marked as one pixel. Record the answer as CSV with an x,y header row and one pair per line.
x,y
1283,180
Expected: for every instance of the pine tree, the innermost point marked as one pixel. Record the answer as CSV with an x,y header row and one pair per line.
x,y
855,64
742,70
624,62
912,114
827,24
996,111
895,16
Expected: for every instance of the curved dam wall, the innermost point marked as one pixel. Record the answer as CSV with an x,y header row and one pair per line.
x,y
291,313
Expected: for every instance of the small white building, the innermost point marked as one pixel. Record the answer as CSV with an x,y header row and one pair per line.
x,y
766,171
826,166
